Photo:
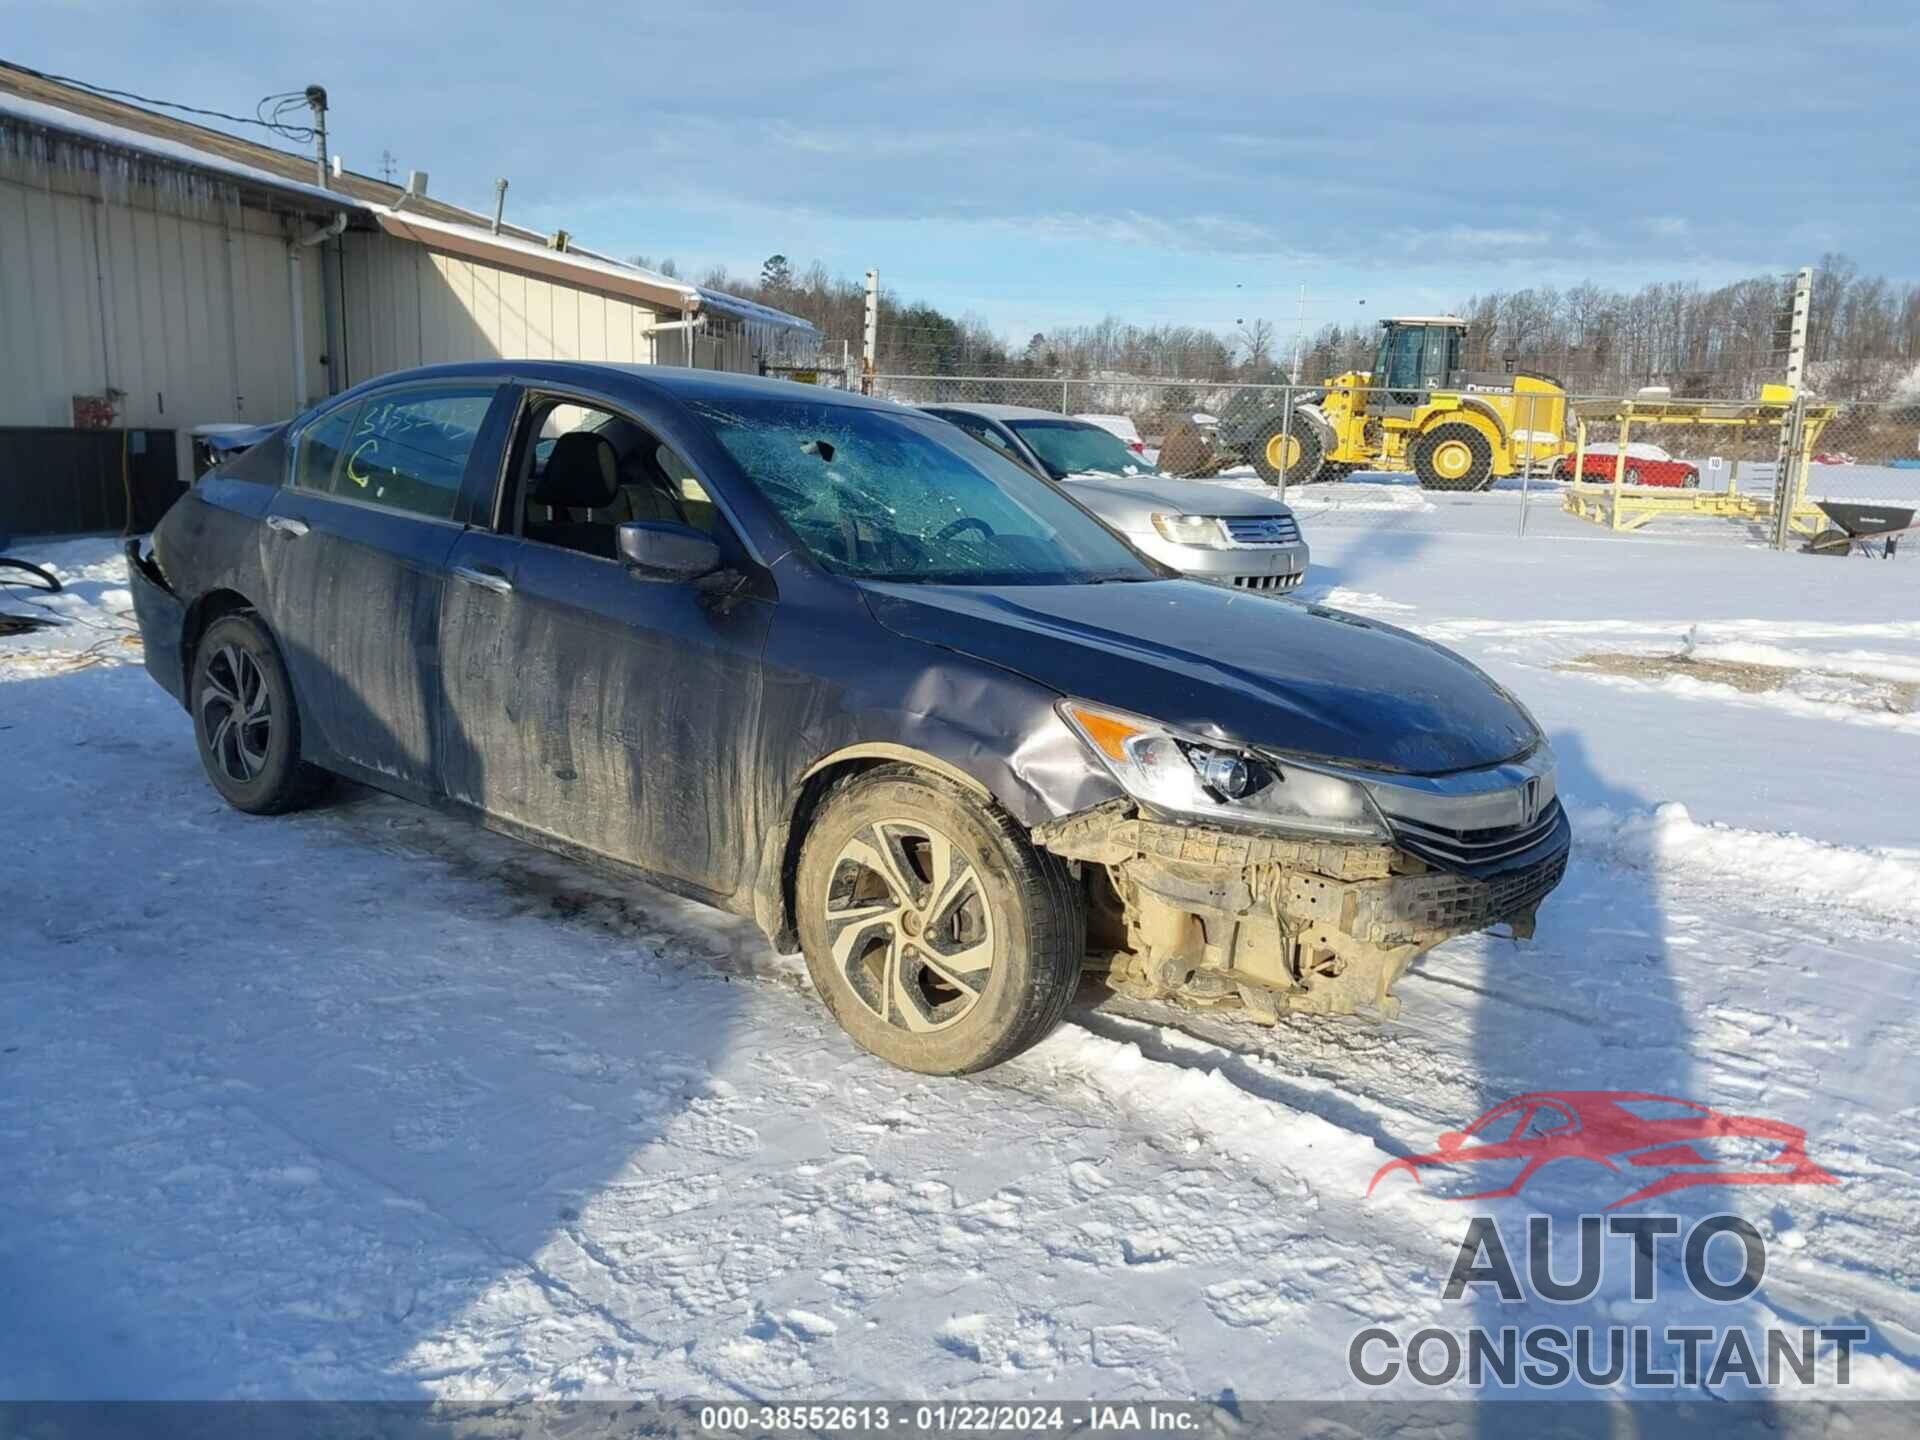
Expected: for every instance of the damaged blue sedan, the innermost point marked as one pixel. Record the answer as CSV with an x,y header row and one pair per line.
x,y
830,663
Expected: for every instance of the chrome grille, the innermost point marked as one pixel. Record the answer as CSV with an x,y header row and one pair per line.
x,y
1262,529
1471,850
1266,582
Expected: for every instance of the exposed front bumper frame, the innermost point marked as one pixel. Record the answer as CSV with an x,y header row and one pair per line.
x,y
1271,924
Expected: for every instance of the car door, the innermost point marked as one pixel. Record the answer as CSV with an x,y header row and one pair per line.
x,y
582,703
355,553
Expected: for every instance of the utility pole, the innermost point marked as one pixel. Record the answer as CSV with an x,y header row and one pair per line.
x,y
1299,334
1797,325
317,100
1787,478
870,344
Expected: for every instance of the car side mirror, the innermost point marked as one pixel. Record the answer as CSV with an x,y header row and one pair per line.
x,y
666,552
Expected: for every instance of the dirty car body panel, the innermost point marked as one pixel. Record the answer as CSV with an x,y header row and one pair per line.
x,y
508,660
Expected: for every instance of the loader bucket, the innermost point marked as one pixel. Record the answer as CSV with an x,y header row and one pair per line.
x,y
1191,452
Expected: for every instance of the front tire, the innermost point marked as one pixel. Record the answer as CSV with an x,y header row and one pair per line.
x,y
1300,456
940,938
245,721
1453,457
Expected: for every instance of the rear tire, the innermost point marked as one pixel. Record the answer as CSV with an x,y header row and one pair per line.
x,y
1633,475
940,938
245,723
1453,457
1302,462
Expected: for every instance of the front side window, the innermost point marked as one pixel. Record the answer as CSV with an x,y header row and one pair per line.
x,y
880,496
587,471
1403,365
985,433
318,456
1072,447
408,451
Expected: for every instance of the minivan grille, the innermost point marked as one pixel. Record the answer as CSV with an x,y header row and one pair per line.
x,y
1262,529
1267,582
1473,849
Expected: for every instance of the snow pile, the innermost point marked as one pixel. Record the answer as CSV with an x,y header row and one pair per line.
x,y
1882,881
1877,663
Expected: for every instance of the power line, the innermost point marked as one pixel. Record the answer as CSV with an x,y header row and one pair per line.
x,y
276,125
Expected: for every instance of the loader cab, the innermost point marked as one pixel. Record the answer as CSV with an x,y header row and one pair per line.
x,y
1418,353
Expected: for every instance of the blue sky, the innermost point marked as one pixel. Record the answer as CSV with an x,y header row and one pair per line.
x,y
1042,164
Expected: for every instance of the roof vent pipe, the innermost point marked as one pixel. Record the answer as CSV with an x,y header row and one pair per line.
x,y
499,202
416,187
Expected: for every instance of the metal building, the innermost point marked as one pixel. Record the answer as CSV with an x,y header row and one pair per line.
x,y
156,275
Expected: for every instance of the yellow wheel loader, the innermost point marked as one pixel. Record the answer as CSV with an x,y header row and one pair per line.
x,y
1417,410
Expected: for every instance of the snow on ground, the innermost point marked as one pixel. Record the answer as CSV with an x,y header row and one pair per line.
x,y
367,1102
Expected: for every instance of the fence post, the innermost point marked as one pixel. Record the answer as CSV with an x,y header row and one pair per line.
x,y
1063,396
1788,484
1620,462
1526,465
1286,429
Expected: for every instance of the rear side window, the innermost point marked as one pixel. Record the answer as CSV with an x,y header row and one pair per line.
x,y
320,447
409,451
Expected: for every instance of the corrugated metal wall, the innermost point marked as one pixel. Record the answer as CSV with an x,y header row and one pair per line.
x,y
184,307
408,305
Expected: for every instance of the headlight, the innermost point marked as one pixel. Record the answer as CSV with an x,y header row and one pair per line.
x,y
1206,779
1200,530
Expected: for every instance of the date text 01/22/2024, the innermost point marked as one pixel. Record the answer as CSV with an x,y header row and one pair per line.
x,y
944,1418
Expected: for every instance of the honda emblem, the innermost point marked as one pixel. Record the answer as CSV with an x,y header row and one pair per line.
x,y
1530,800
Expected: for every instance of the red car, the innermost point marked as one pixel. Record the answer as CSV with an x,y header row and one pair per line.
x,y
1646,465
1623,1130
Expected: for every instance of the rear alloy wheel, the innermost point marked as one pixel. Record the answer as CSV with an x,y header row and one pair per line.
x,y
1633,474
941,940
1453,457
245,720
1299,455
1690,480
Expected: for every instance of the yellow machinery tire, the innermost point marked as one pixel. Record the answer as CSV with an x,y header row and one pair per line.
x,y
1302,455
1453,457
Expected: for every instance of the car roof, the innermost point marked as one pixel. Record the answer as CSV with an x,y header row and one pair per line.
x,y
1005,412
674,380
1594,1097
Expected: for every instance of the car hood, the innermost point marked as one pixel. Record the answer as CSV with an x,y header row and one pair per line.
x,y
1203,658
1127,502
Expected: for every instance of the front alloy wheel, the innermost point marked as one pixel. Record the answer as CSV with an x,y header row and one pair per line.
x,y
939,937
909,925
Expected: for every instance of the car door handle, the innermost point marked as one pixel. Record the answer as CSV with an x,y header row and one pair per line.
x,y
287,525
486,577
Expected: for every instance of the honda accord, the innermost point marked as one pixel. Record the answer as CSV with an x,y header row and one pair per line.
x,y
829,663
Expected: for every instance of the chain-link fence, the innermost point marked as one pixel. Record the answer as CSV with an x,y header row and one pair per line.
x,y
1622,461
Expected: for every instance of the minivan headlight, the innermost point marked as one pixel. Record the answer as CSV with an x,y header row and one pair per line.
x,y
1209,779
1198,530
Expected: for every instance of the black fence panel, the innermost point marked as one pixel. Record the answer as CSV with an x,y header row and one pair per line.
x,y
65,482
